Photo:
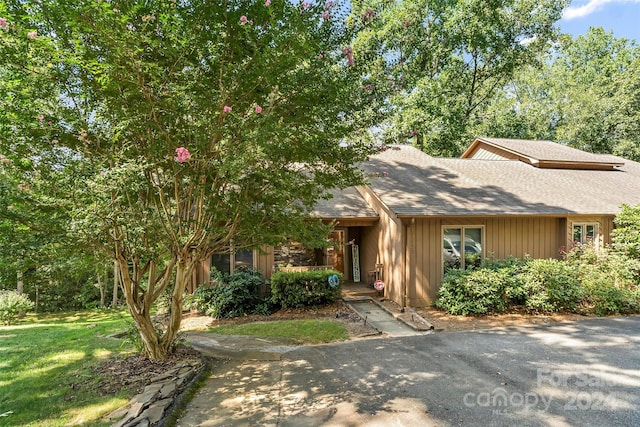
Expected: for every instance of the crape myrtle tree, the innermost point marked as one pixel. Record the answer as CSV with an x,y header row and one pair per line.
x,y
175,129
446,59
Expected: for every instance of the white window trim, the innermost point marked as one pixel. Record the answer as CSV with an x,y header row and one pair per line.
x,y
596,237
461,227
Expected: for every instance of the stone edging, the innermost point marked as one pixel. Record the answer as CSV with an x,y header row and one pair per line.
x,y
157,401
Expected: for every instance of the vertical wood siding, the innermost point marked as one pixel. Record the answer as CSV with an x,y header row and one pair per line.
x,y
537,237
390,247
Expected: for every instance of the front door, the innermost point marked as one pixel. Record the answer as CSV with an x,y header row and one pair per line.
x,y
335,253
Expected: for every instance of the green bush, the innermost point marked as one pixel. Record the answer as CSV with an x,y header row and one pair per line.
x,y
306,288
587,280
232,295
12,305
552,285
490,288
626,235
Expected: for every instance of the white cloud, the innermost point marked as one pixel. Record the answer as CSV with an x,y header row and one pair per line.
x,y
573,12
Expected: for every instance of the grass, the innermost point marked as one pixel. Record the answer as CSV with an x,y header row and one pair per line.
x,y
44,359
307,331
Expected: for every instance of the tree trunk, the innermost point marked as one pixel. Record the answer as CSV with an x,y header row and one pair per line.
x,y
20,290
20,287
155,347
116,283
102,290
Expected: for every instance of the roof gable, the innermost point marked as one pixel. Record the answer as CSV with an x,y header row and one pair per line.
x,y
540,154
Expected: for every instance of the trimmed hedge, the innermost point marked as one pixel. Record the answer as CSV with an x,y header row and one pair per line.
x,y
306,288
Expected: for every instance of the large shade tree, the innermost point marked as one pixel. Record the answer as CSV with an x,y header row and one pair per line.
x,y
442,61
174,129
587,95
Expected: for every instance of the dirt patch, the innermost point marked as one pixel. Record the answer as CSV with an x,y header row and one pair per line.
x,y
442,321
132,373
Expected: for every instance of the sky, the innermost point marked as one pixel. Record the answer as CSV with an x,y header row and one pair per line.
x,y
622,17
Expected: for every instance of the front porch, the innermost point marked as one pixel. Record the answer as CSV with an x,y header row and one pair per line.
x,y
357,290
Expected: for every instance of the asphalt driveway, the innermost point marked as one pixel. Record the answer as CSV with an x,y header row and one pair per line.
x,y
585,373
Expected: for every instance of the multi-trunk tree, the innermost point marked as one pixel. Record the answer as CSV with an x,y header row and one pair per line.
x,y
174,129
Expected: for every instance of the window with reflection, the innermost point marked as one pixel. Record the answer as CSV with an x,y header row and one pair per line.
x,y
585,233
461,247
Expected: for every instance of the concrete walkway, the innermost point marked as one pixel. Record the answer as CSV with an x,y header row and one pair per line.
x,y
382,320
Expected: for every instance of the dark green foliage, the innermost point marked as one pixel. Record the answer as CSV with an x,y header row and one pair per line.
x,y
303,289
587,281
232,295
490,288
551,285
626,236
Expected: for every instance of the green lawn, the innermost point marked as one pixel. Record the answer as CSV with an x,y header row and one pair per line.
x,y
306,331
42,357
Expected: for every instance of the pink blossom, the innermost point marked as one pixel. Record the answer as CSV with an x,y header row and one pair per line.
x,y
4,23
32,34
182,154
385,173
258,109
244,20
328,5
41,117
320,56
368,14
267,3
23,187
226,109
368,87
305,4
348,53
326,15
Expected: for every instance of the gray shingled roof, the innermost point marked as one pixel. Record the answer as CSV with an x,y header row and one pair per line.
x,y
550,151
418,185
347,203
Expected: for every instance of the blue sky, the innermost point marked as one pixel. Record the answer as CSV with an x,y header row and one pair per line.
x,y
620,16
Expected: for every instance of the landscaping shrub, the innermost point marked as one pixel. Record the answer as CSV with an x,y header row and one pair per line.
x,y
551,285
12,304
626,235
490,288
232,295
306,288
609,282
587,280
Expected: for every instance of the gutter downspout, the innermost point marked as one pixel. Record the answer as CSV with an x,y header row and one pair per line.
x,y
407,261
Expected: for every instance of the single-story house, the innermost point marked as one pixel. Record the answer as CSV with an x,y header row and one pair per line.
x,y
420,215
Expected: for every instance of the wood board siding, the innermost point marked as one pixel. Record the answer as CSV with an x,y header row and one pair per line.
x,y
488,152
389,245
538,237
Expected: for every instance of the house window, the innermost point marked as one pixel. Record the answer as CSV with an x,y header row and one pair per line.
x,y
461,247
586,232
229,262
